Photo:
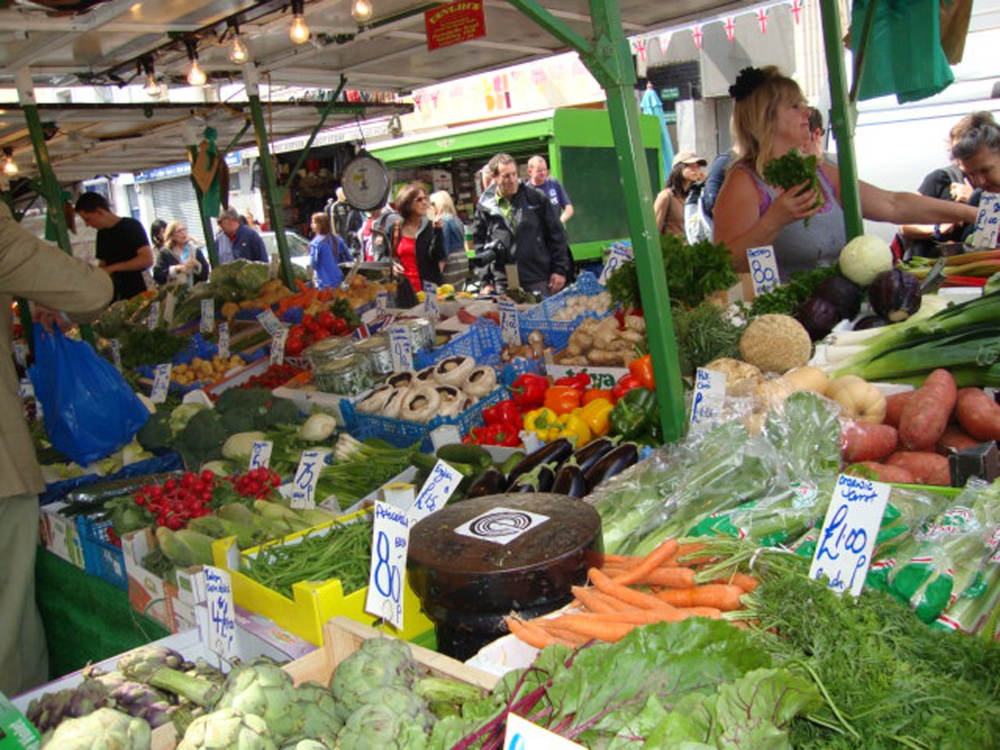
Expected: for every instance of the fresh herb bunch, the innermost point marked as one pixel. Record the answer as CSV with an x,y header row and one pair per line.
x,y
794,169
142,346
693,272
783,300
704,333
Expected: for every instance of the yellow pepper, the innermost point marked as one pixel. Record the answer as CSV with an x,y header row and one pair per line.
x,y
551,426
597,416
575,428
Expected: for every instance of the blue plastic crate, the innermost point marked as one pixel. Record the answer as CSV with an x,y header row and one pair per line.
x,y
167,460
199,347
403,434
557,332
101,557
484,343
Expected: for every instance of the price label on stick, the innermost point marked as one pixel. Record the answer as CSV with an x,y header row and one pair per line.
x,y
116,353
847,537
207,315
169,304
709,397
260,454
440,485
521,734
270,322
387,573
619,255
21,353
306,476
381,303
221,612
510,326
987,221
224,340
401,348
431,310
763,269
161,383
278,346
154,315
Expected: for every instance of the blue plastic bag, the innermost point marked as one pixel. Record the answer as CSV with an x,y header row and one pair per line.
x,y
90,411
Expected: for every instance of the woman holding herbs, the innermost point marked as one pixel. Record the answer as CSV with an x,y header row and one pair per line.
x,y
803,220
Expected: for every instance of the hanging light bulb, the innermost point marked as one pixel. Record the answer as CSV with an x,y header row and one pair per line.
x,y
361,11
196,76
152,87
299,31
9,165
238,52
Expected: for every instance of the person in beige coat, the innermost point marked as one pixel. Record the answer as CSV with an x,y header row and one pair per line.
x,y
43,274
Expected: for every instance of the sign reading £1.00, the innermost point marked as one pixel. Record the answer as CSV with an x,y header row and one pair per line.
x,y
454,23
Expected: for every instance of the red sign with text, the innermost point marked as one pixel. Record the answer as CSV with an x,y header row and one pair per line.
x,y
454,23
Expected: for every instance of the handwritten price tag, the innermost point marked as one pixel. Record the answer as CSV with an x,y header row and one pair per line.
x,y
224,340
21,353
25,389
306,476
440,485
116,353
401,348
619,255
709,397
987,221
161,383
521,734
847,538
381,303
510,326
154,315
763,269
221,612
207,315
387,576
269,321
431,301
278,346
260,454
169,305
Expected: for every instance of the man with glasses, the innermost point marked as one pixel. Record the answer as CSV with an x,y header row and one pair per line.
x,y
235,240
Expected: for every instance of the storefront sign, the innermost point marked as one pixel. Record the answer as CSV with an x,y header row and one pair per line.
x,y
454,23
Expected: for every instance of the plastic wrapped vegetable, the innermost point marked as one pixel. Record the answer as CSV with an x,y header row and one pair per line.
x,y
104,729
227,729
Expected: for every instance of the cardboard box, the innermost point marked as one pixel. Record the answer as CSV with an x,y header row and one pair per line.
x,y
171,605
59,534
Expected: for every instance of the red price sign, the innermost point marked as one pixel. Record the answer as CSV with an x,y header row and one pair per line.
x,y
454,23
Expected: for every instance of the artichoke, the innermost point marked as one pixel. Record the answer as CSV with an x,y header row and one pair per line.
x,y
315,715
138,699
307,745
104,729
227,729
264,689
93,693
379,663
139,664
394,719
161,667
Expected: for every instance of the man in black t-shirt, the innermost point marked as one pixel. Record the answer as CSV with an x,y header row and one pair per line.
x,y
123,249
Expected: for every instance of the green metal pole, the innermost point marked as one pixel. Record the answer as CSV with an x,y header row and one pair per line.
x,y
274,193
324,113
610,61
842,119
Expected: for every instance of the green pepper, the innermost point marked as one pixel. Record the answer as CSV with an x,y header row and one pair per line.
x,y
635,413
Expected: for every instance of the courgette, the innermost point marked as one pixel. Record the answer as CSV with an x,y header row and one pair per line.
x,y
465,453
90,498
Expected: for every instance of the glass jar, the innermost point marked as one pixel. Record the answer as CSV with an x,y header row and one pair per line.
x,y
328,350
378,350
348,375
422,334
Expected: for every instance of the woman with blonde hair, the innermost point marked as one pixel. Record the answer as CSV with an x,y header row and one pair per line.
x,y
455,268
179,259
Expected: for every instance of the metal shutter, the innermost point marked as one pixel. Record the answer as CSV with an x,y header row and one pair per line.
x,y
175,199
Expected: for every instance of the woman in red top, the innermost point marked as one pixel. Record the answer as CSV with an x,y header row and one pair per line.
x,y
418,250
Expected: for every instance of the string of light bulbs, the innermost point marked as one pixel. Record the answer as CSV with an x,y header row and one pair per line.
x,y
10,168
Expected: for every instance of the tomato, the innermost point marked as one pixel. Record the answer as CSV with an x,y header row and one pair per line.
x,y
294,346
326,320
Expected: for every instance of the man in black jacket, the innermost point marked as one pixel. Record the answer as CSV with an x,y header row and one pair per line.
x,y
515,224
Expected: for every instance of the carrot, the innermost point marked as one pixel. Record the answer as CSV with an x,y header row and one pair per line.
x,y
882,472
954,439
605,631
684,552
926,468
745,581
672,577
665,549
718,595
894,407
624,593
528,632
620,561
597,601
866,441
978,414
926,414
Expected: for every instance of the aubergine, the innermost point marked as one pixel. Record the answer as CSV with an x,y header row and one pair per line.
x,y
591,453
611,464
895,295
870,321
491,482
570,481
539,479
818,316
843,293
555,452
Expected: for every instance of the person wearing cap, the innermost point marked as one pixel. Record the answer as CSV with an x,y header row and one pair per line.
x,y
688,169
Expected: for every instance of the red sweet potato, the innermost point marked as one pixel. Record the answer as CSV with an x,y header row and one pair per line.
x,y
925,416
894,407
978,414
882,472
866,441
926,468
955,439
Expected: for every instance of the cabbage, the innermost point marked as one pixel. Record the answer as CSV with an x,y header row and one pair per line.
x,y
864,258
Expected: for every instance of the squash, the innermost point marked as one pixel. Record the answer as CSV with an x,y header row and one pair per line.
x,y
858,398
808,378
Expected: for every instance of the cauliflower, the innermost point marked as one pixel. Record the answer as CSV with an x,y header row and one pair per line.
x,y
864,258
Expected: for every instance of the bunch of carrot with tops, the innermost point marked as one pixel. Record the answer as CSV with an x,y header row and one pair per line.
x,y
667,585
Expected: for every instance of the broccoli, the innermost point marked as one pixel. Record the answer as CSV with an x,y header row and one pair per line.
x,y
281,411
156,433
251,400
201,439
238,421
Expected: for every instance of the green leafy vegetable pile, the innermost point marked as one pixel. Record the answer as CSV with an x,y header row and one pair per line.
x,y
704,333
784,299
794,169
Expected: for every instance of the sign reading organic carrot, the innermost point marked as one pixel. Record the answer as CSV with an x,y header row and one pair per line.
x,y
454,23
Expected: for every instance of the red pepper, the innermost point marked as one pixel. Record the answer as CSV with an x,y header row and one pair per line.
x,y
562,399
509,413
580,381
642,368
496,434
592,394
529,391
625,384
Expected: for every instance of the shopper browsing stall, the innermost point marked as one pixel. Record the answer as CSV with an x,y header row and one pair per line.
x,y
123,250
417,242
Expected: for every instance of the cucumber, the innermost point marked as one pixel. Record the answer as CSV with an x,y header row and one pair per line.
x,y
99,492
465,453
511,461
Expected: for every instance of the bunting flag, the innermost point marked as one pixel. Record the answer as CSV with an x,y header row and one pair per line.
x,y
730,28
640,48
797,7
697,35
762,20
665,42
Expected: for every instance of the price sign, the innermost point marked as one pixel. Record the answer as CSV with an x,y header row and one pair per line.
x,y
619,255
224,340
306,475
847,538
401,348
381,303
260,454
709,396
510,326
25,389
431,301
278,346
221,612
207,315
161,383
21,353
154,315
270,322
116,353
521,734
387,576
987,221
763,269
169,304
440,485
